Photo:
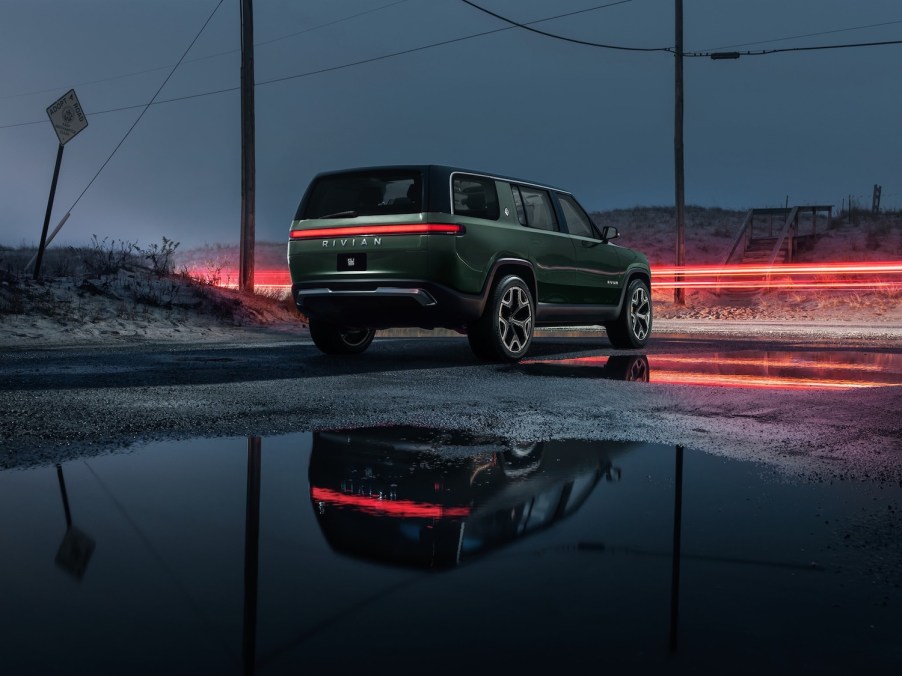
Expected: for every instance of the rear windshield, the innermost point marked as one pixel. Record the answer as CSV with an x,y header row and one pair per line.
x,y
369,194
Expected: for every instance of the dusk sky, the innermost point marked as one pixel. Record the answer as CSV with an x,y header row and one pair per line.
x,y
815,126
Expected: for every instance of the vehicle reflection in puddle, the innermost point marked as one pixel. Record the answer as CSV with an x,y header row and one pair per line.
x,y
802,370
415,497
317,551
633,367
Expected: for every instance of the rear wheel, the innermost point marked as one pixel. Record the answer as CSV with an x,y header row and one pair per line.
x,y
334,339
632,328
504,331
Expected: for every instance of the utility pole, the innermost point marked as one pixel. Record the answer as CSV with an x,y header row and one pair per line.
x,y
248,169
679,294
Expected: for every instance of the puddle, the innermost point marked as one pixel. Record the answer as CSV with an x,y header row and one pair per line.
x,y
410,550
752,368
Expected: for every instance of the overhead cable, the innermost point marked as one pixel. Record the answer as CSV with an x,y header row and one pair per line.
x,y
147,105
329,68
526,26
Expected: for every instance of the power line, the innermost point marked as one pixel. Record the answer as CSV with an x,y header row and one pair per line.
x,y
783,50
513,24
208,56
329,69
527,27
135,123
804,35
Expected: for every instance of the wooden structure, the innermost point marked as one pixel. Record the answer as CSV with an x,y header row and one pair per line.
x,y
770,236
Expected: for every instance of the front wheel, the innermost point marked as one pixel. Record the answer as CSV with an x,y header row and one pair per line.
x,y
504,331
632,328
333,339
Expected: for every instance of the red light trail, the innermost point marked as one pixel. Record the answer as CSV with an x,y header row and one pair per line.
x,y
862,276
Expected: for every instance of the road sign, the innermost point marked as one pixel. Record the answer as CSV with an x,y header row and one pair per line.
x,y
67,116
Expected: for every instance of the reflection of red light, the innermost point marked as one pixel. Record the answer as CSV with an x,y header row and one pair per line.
x,y
376,506
765,382
769,362
790,371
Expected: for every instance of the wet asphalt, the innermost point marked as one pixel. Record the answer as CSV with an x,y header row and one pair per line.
x,y
66,402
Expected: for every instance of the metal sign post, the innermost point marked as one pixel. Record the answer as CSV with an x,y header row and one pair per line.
x,y
67,119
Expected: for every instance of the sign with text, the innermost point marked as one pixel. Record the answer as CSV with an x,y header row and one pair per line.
x,y
67,116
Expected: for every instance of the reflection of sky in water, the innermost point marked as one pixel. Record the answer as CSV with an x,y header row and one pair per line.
x,y
164,589
760,369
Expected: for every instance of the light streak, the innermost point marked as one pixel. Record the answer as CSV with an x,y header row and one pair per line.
x,y
860,276
836,276
783,268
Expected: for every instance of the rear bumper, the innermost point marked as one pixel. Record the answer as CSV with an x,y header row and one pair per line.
x,y
387,304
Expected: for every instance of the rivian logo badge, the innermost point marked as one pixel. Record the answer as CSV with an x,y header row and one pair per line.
x,y
352,241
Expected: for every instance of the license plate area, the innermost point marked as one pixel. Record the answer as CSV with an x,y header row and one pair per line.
x,y
351,262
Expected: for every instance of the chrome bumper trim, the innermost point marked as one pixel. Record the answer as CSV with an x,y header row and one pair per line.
x,y
421,296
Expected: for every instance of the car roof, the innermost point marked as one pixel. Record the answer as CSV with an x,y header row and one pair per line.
x,y
441,169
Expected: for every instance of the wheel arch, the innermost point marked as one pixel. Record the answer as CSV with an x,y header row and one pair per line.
x,y
633,273
512,266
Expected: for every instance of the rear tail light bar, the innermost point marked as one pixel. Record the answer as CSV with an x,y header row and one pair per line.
x,y
378,230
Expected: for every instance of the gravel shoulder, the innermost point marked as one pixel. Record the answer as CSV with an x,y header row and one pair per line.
x,y
61,401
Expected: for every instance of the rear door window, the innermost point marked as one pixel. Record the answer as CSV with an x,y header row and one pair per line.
x,y
475,196
538,208
369,194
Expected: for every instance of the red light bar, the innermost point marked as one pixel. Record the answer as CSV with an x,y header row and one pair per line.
x,y
376,230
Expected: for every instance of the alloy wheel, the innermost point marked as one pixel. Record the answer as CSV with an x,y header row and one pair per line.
x,y
515,319
640,313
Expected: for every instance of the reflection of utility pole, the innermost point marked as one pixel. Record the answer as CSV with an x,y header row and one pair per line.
x,y
75,550
251,554
64,494
679,293
248,182
677,535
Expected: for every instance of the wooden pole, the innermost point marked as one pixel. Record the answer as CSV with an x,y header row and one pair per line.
x,y
248,169
679,294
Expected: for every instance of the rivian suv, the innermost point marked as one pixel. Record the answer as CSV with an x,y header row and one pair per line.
x,y
433,246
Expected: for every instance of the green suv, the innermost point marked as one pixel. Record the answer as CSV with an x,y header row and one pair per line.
x,y
433,246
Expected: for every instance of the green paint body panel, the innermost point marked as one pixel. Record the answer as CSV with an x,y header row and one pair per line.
x,y
562,269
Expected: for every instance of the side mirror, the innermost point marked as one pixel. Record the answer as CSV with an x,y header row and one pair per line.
x,y
609,232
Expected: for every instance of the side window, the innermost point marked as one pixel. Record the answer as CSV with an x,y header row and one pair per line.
x,y
518,202
539,212
475,196
578,222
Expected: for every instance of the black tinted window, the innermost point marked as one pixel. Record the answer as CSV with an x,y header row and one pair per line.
x,y
351,195
475,196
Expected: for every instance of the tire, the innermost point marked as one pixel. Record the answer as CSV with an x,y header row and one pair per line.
x,y
333,339
504,332
632,328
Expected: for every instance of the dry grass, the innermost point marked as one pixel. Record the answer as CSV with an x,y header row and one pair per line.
x,y
113,280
